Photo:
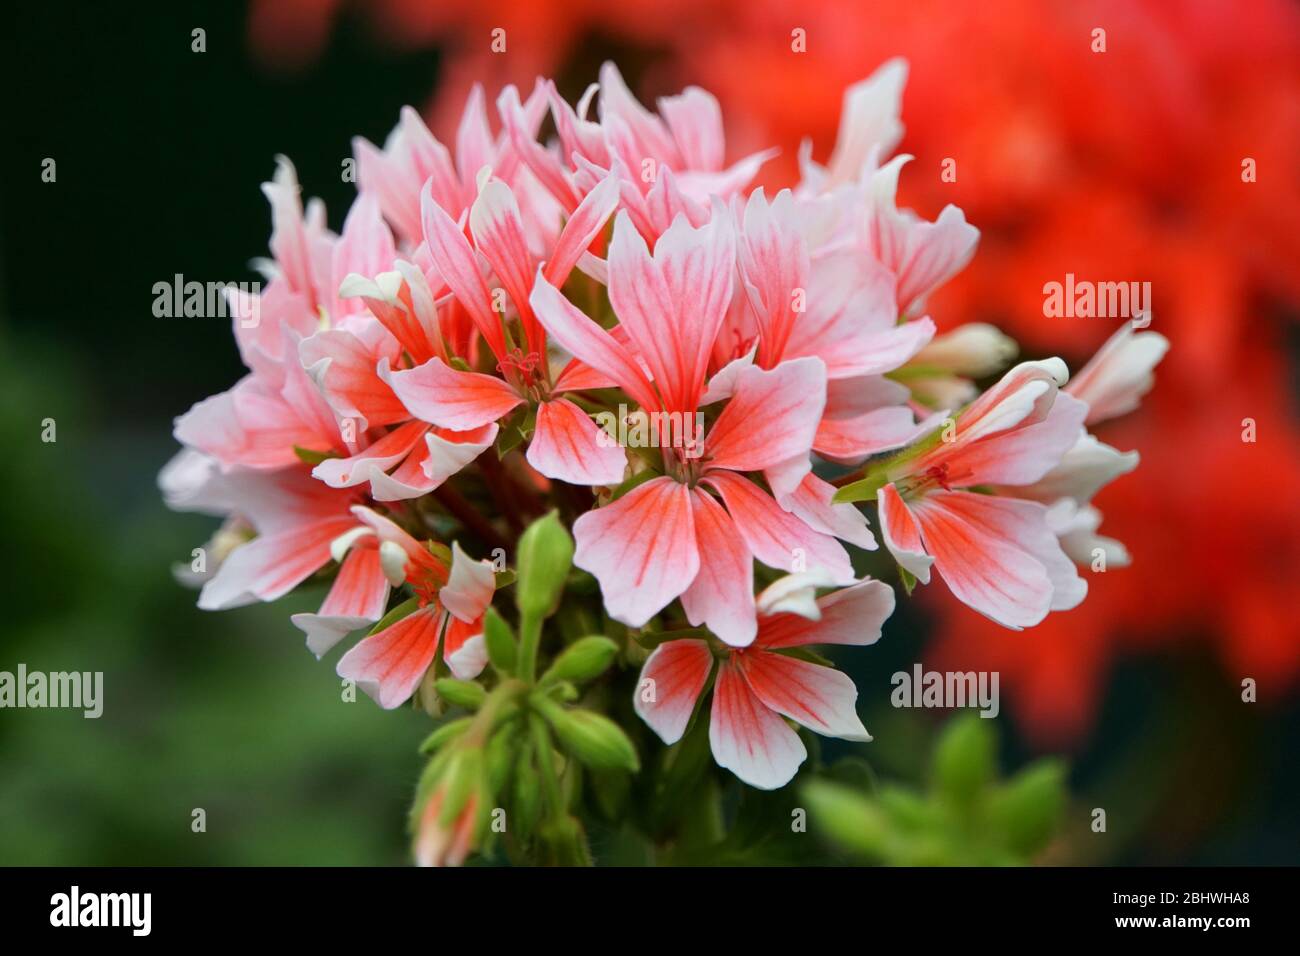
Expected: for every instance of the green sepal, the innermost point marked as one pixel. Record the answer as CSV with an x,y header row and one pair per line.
x,y
310,456
409,606
445,734
462,693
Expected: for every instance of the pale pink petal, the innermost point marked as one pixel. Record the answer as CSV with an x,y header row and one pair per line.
x,y
470,588
869,122
772,416
695,121
773,260
290,244
648,137
464,648
272,565
458,265
1024,455
378,457
776,537
748,738
722,595
498,231
1115,379
671,681
390,665
474,144
451,398
673,303
590,343
902,534
568,446
365,245
356,599
852,615
587,222
641,548
1084,470
989,551
343,364
449,451
811,501
820,698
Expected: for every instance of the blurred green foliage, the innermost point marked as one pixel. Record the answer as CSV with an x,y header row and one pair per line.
x,y
967,817
228,713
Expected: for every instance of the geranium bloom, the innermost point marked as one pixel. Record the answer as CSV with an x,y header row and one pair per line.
x,y
997,554
428,375
389,664
671,306
756,686
564,445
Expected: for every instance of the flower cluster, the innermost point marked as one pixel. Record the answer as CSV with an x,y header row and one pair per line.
x,y
692,394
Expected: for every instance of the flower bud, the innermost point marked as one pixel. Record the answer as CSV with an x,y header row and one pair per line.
x,y
973,350
584,659
544,558
462,693
500,642
593,739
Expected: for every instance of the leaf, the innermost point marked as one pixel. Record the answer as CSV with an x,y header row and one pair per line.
x,y
1027,809
965,758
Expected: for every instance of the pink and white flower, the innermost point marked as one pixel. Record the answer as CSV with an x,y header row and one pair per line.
x,y
757,689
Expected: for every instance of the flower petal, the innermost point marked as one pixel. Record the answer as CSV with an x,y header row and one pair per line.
x,y
722,594
902,534
747,738
671,681
641,548
776,537
357,599
567,446
271,566
852,615
820,698
448,397
772,416
390,665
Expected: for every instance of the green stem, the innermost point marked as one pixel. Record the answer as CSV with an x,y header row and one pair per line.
x,y
546,763
530,635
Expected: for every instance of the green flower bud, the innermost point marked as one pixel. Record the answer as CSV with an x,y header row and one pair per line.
x,y
544,557
584,659
501,648
593,739
445,734
462,693
463,778
500,754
